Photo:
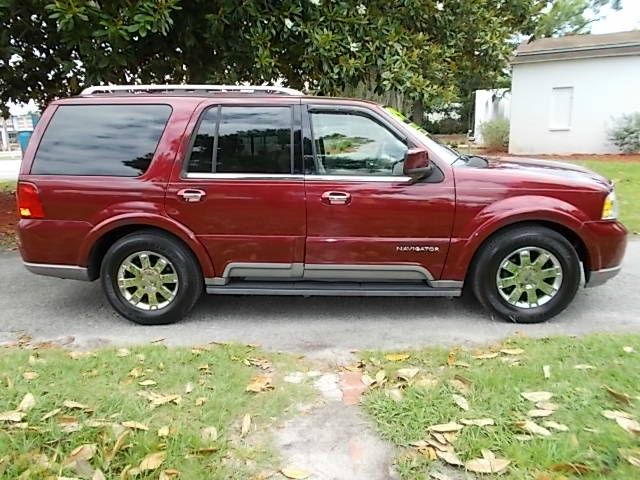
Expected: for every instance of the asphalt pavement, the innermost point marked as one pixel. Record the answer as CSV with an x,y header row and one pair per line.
x,y
323,327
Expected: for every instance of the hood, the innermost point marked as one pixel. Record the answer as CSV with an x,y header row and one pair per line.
x,y
563,172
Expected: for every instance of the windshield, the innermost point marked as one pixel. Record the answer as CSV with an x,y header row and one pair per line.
x,y
446,153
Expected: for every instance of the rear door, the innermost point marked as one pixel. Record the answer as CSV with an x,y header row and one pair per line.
x,y
365,219
238,190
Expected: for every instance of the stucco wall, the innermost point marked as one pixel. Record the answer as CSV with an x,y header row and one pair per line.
x,y
603,88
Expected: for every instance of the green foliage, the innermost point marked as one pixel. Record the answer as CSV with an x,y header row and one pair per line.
x,y
626,133
495,134
564,17
424,49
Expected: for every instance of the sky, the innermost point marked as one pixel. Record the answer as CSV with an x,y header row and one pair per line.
x,y
628,18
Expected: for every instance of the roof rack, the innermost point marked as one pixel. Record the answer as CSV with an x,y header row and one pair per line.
x,y
187,88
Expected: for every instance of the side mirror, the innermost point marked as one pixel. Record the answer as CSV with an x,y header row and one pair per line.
x,y
416,164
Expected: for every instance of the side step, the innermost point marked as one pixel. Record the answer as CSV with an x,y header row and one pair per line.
x,y
348,289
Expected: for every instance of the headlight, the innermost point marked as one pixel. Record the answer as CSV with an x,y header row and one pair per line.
x,y
610,207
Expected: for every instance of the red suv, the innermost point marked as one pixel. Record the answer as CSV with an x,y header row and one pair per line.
x,y
165,191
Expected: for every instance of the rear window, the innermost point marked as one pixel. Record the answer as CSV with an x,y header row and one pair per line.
x,y
114,140
243,140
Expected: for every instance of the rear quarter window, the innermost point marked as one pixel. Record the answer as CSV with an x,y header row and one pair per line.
x,y
103,140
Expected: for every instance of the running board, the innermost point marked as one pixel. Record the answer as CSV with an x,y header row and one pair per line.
x,y
348,289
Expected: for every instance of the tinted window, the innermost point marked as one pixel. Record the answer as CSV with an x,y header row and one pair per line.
x,y
349,144
115,140
250,140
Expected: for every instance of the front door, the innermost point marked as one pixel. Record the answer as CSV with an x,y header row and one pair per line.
x,y
237,191
365,219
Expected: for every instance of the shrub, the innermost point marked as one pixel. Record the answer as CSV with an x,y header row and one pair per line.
x,y
495,134
626,133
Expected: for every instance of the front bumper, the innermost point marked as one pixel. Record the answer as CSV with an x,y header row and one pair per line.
x,y
598,277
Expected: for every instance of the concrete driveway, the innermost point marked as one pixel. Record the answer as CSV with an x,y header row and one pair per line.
x,y
322,327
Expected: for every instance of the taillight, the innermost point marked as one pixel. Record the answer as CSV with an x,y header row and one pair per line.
x,y
29,204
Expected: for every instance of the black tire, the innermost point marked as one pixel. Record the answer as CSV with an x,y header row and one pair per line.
x,y
484,272
182,262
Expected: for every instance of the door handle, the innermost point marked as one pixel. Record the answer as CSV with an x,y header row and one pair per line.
x,y
192,195
336,198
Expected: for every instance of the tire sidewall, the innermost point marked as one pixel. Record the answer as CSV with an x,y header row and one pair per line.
x,y
497,249
185,266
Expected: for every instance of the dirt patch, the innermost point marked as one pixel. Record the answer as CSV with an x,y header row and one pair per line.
x,y
8,220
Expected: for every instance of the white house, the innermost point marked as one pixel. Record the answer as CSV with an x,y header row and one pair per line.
x,y
566,92
490,105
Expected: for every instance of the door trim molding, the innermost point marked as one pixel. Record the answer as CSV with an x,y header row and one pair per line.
x,y
330,272
242,176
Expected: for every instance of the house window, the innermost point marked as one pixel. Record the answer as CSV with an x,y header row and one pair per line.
x,y
561,108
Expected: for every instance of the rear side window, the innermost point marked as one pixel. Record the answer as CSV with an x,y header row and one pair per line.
x,y
114,140
243,140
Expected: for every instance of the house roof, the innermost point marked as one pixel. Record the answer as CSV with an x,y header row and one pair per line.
x,y
573,47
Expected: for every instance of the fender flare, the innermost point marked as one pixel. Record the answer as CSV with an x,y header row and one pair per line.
x,y
146,220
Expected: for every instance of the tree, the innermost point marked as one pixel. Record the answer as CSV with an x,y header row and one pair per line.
x,y
562,17
419,49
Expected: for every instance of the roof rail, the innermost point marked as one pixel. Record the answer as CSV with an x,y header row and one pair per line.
x,y
205,88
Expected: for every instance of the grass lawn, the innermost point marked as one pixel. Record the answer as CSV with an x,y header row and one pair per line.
x,y
140,412
450,387
626,176
7,186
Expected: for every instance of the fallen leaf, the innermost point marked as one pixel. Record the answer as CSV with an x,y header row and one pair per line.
x,y
485,355
209,434
575,468
487,464
451,358
478,422
200,401
294,473
163,432
169,474
27,403
407,373
136,372
83,452
631,456
70,404
512,351
395,394
152,461
135,425
50,414
583,366
367,380
260,383
98,475
397,357
462,364
446,427
546,371
123,352
462,384
546,406
68,424
628,349
461,402
539,413
118,445
12,416
246,425
30,375
629,424
555,426
381,377
449,456
537,396
621,397
440,437
147,383
532,427
188,388
613,414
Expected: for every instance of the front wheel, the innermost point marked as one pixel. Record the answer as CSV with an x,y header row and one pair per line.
x,y
151,278
526,274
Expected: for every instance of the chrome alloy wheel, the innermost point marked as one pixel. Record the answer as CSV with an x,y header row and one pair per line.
x,y
148,280
529,277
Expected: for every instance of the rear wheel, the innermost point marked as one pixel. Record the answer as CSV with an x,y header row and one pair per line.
x,y
151,278
526,274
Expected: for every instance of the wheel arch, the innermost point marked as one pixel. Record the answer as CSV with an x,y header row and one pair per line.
x,y
570,234
103,236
